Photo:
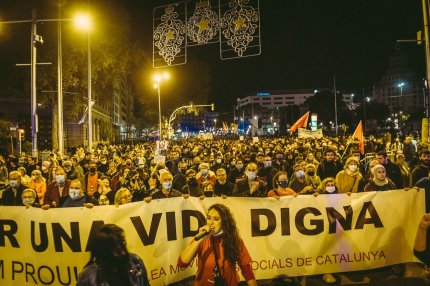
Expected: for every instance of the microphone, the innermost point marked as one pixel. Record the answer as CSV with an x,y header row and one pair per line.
x,y
201,235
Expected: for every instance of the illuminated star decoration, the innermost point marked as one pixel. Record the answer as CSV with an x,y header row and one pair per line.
x,y
169,35
203,25
239,23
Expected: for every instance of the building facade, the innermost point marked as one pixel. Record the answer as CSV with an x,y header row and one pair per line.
x,y
400,88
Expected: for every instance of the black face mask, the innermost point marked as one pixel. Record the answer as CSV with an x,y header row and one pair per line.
x,y
182,171
193,181
209,193
93,170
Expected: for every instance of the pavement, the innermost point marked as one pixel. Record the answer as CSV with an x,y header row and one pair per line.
x,y
411,274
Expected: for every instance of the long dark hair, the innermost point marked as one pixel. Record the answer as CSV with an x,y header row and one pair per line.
x,y
231,242
109,251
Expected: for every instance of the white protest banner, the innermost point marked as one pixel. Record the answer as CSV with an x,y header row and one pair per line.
x,y
159,159
161,145
305,133
255,139
291,236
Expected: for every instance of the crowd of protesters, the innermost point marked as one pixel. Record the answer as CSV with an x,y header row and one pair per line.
x,y
268,167
118,174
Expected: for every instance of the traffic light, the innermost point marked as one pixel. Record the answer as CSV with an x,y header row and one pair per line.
x,y
21,134
212,107
419,37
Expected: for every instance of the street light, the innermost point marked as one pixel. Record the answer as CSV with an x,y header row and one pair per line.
x,y
83,21
352,97
158,78
401,92
35,41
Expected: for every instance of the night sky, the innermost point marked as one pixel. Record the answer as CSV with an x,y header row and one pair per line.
x,y
304,43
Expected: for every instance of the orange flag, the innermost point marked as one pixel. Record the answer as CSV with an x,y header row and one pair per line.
x,y
300,123
358,133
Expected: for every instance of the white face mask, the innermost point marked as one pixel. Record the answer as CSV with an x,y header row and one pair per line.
x,y
74,194
167,185
60,179
330,189
300,174
251,175
352,167
13,183
28,201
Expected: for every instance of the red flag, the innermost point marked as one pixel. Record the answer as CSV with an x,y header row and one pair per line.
x,y
358,133
300,123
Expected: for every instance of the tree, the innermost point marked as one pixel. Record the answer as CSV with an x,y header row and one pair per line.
x,y
111,51
322,103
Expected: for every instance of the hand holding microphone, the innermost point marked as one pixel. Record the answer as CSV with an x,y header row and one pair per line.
x,y
203,232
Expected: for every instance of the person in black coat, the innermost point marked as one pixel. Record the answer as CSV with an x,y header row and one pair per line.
x,y
222,186
12,194
392,169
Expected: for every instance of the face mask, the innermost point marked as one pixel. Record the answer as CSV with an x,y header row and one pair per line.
x,y
267,163
239,166
43,168
209,193
104,162
92,170
13,183
300,174
352,168
283,184
60,179
311,173
251,175
218,161
28,201
167,185
204,171
182,171
74,194
222,182
279,158
330,189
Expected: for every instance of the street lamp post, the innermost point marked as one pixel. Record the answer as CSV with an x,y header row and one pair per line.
x,y
84,21
158,79
35,40
401,92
